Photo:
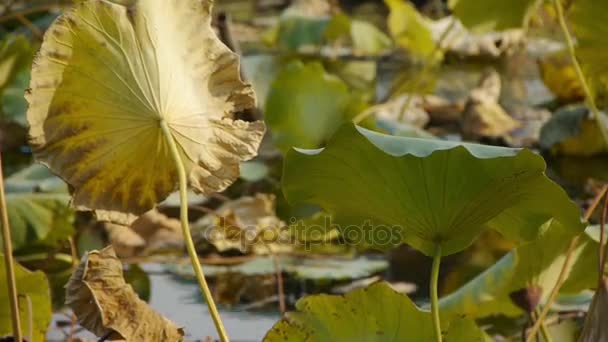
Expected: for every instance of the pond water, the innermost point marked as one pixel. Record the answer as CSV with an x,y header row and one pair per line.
x,y
179,301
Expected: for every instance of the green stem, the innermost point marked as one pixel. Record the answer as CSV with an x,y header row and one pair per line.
x,y
543,329
198,270
577,67
8,261
433,290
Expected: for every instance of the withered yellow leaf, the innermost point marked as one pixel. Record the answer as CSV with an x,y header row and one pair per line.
x,y
108,75
107,306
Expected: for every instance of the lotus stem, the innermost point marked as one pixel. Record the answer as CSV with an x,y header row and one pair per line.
x,y
198,270
562,273
579,71
433,290
8,261
543,329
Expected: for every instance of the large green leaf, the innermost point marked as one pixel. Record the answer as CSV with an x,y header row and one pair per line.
x,y
489,15
114,87
306,105
34,302
375,313
409,28
532,265
383,190
38,210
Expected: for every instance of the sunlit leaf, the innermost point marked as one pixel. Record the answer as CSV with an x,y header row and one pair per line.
x,y
104,81
387,190
306,105
107,306
34,302
409,29
374,313
491,15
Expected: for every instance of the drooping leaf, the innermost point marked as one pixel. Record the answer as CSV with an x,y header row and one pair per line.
x,y
483,16
374,313
34,302
306,105
532,266
409,29
387,190
150,64
16,55
107,306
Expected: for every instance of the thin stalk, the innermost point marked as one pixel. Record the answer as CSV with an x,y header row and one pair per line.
x,y
602,247
543,329
433,290
577,67
198,270
562,273
8,261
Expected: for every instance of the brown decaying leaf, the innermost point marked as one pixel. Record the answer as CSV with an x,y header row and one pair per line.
x,y
107,306
483,116
595,329
151,232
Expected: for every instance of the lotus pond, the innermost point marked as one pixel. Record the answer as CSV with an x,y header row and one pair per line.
x,y
297,170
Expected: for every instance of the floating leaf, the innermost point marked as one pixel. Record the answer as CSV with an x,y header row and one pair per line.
x,y
306,105
386,190
409,29
105,81
34,302
531,266
375,313
484,16
572,131
334,269
107,306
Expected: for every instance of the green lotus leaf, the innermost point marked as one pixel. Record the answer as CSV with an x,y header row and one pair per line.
x,y
16,55
374,313
409,29
493,15
305,106
384,190
38,210
106,81
34,302
532,265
